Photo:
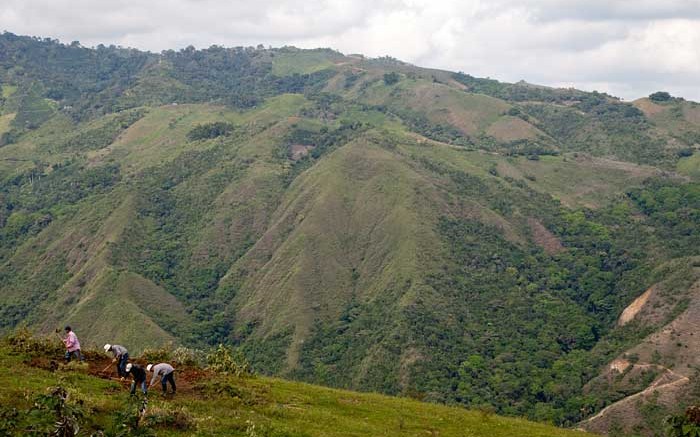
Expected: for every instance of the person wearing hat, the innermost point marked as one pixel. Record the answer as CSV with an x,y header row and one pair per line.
x,y
72,345
139,375
121,356
166,373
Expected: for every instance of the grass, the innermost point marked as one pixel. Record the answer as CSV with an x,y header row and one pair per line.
x,y
118,307
297,62
8,90
5,121
372,228
161,135
19,156
102,297
472,114
580,181
680,119
261,406
690,166
575,181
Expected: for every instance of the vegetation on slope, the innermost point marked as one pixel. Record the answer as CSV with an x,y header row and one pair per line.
x,y
37,396
361,223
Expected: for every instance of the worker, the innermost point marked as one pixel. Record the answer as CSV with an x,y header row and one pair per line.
x,y
72,345
139,375
166,373
121,356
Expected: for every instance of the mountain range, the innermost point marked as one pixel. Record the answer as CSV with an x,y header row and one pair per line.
x,y
359,223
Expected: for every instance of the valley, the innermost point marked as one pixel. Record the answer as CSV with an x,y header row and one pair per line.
x,y
359,223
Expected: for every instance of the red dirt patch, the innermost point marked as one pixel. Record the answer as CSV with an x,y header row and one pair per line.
x,y
44,363
619,365
300,150
543,238
185,378
648,107
631,311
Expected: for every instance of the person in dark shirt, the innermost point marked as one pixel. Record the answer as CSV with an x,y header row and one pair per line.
x,y
139,375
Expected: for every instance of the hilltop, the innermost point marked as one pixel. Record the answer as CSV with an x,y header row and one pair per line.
x,y
359,223
214,403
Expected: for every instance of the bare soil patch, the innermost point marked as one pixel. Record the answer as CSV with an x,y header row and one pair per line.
x,y
543,238
633,309
186,378
648,107
298,151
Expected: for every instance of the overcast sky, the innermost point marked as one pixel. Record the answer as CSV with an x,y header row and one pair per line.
x,y
628,48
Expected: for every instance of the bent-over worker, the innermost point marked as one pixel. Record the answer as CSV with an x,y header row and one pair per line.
x,y
121,356
139,375
166,373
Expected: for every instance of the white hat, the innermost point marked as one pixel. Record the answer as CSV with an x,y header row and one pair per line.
x,y
108,347
149,367
128,367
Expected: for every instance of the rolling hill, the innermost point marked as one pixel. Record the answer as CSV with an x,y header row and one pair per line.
x,y
359,223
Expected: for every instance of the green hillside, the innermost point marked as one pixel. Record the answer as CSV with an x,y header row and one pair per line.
x,y
359,223
253,406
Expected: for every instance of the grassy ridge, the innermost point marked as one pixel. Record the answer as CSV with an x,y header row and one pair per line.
x,y
229,406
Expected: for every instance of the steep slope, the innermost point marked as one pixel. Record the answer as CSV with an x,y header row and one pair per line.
x,y
66,276
218,404
660,373
362,223
355,227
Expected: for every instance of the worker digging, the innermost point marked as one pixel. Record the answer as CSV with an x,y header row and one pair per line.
x,y
72,345
166,373
139,375
121,357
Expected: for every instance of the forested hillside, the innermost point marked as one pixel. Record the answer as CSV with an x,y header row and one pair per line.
x,y
360,223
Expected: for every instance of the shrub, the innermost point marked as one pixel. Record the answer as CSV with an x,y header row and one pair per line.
x,y
188,357
157,355
391,78
513,112
660,96
223,386
127,422
210,130
228,361
76,366
22,341
220,388
180,355
686,425
54,411
9,419
684,153
169,417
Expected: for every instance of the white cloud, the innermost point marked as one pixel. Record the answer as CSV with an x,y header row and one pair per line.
x,y
626,47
